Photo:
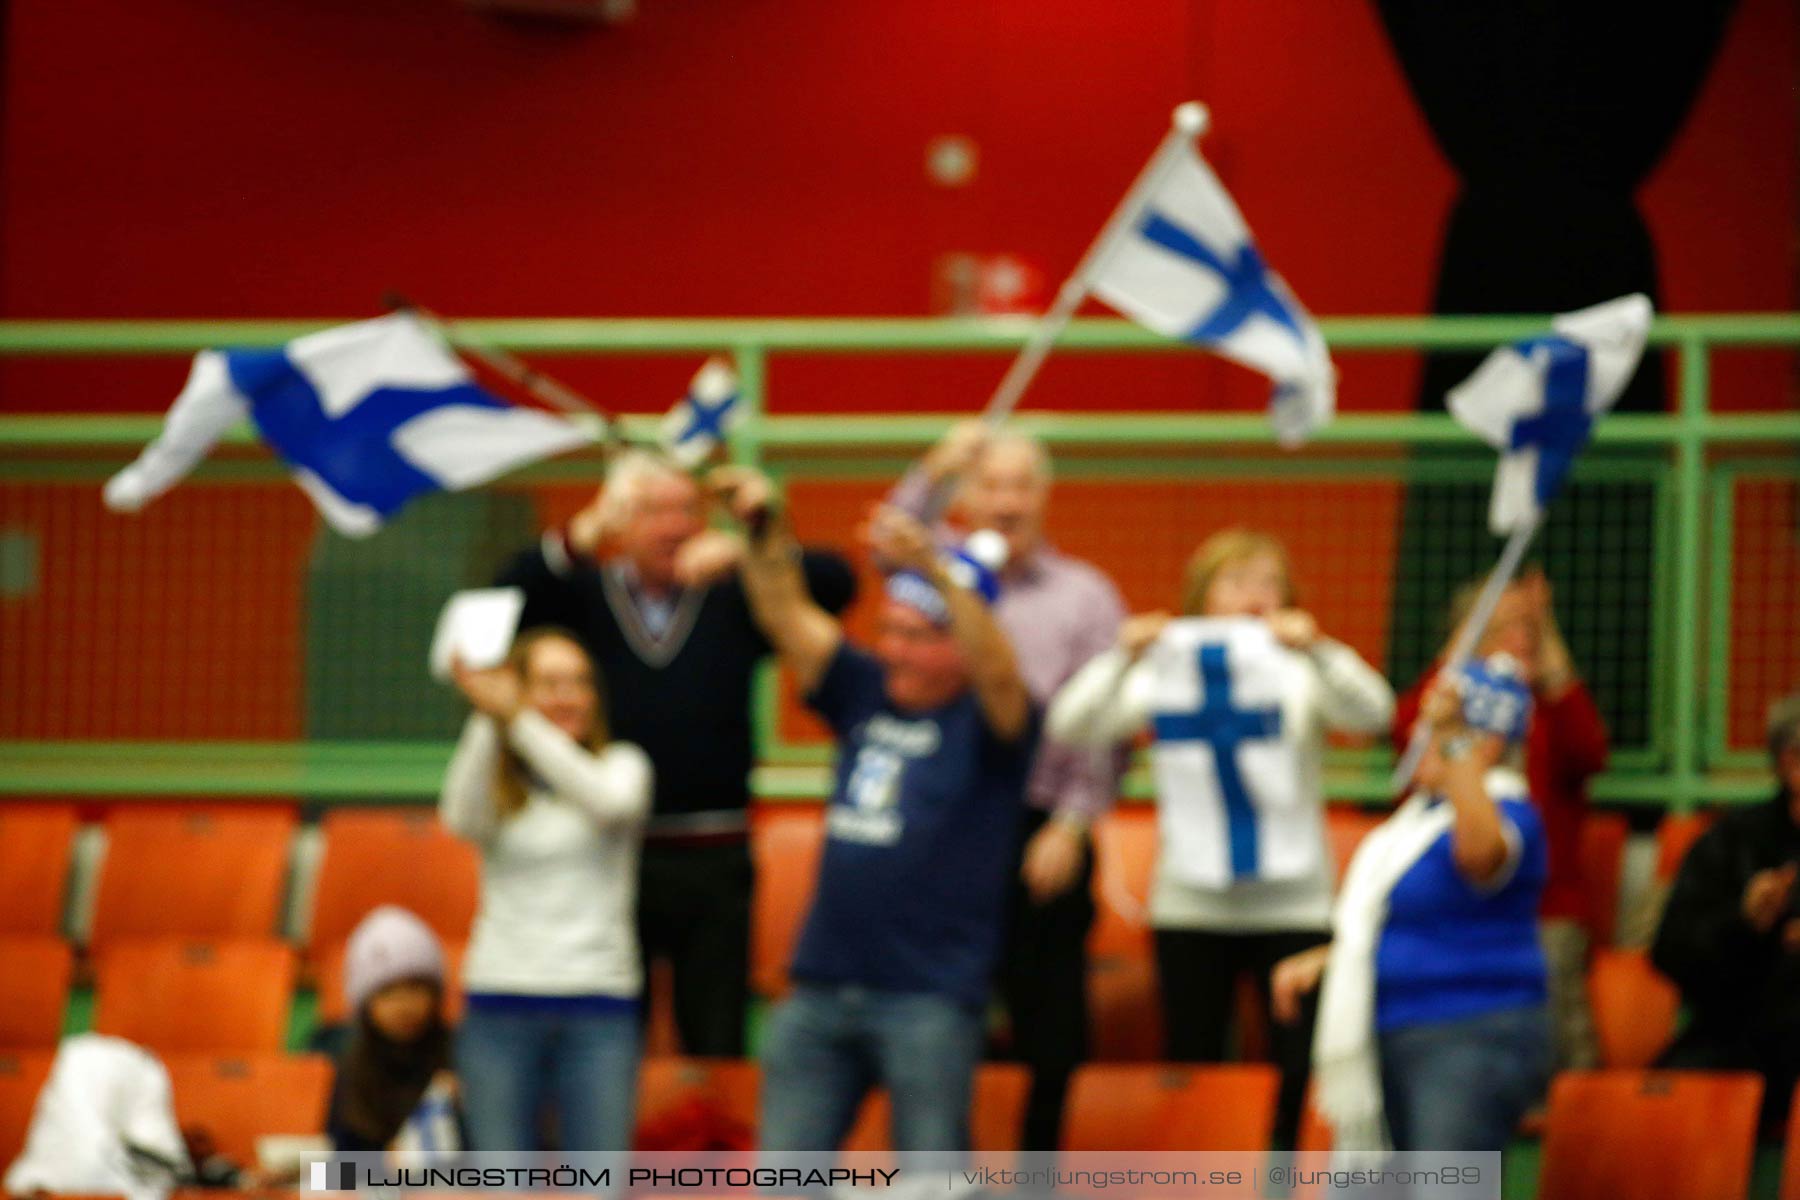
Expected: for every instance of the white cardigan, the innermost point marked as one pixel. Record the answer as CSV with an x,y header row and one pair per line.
x,y
1109,701
559,877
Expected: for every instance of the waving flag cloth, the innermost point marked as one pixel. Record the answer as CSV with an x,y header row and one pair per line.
x,y
1185,266
366,416
1176,256
1227,768
1536,403
702,421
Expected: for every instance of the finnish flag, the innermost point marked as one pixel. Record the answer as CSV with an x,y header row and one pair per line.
x,y
1186,267
366,416
1536,402
1227,755
702,420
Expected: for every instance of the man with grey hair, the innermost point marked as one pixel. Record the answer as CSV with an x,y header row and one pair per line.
x,y
655,596
1058,612
1730,936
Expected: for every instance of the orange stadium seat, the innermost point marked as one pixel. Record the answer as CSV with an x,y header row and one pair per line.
x,y
996,1113
1790,1162
35,845
34,990
1603,838
329,982
1675,836
1634,1006
192,872
220,997
786,841
1124,1012
383,856
239,1099
22,1075
1160,1107
681,1099
1649,1135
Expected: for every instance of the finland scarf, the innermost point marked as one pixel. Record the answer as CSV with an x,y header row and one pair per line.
x,y
1346,1062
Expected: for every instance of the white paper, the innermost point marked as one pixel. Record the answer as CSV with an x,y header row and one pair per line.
x,y
476,626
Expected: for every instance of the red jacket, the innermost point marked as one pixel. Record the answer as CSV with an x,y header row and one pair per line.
x,y
1566,747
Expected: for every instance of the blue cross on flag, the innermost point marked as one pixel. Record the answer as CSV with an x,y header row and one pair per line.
x,y
366,415
702,420
1536,402
1230,804
1185,266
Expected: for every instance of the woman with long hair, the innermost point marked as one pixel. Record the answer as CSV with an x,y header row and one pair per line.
x,y
552,973
1239,693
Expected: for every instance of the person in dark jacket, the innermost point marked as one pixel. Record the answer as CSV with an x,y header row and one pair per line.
x,y
1730,936
655,596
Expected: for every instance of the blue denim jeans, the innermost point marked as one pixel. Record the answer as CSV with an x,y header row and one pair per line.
x,y
1463,1085
511,1061
827,1046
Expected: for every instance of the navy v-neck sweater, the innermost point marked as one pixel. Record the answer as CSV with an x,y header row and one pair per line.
x,y
685,698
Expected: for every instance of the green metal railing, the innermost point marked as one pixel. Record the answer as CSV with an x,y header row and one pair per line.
x,y
1691,455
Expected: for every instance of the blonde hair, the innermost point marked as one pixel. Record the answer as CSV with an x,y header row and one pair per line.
x,y
1227,548
511,775
625,477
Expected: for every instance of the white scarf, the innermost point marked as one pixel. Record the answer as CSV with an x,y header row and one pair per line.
x,y
1346,1064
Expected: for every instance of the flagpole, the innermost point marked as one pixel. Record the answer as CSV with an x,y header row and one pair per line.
x,y
1462,647
1186,123
509,366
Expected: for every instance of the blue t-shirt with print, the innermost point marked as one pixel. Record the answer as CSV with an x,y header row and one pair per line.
x,y
921,835
1450,950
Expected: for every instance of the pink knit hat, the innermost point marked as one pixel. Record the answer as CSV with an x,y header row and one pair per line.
x,y
388,946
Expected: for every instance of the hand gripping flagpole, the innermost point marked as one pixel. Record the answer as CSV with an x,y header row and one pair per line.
x,y
1462,648
1186,123
508,366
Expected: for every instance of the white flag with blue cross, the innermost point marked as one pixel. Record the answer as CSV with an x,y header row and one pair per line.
x,y
701,421
1186,267
1226,756
1536,401
367,416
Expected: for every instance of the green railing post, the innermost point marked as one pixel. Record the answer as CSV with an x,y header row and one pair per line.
x,y
747,440
1690,492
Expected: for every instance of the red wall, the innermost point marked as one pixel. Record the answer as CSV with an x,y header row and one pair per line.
x,y
284,158
297,157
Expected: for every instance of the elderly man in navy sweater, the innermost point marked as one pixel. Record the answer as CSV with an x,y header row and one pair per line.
x,y
935,732
656,598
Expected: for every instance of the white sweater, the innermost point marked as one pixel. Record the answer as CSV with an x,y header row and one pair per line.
x,y
559,877
1109,701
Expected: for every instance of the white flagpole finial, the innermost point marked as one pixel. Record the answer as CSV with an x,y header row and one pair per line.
x,y
1191,118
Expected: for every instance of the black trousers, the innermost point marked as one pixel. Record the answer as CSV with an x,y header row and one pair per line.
x,y
1197,972
1043,983
694,910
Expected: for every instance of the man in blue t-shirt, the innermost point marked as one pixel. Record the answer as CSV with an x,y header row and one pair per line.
x,y
935,734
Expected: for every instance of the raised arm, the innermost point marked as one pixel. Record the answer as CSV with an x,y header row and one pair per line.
x,y
613,785
466,802
1478,842
1353,696
1108,700
803,634
993,671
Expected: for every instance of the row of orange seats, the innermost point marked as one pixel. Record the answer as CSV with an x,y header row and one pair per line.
x,y
188,899
1643,1135
212,871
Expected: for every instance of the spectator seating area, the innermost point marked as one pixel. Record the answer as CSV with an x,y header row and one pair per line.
x,y
198,927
